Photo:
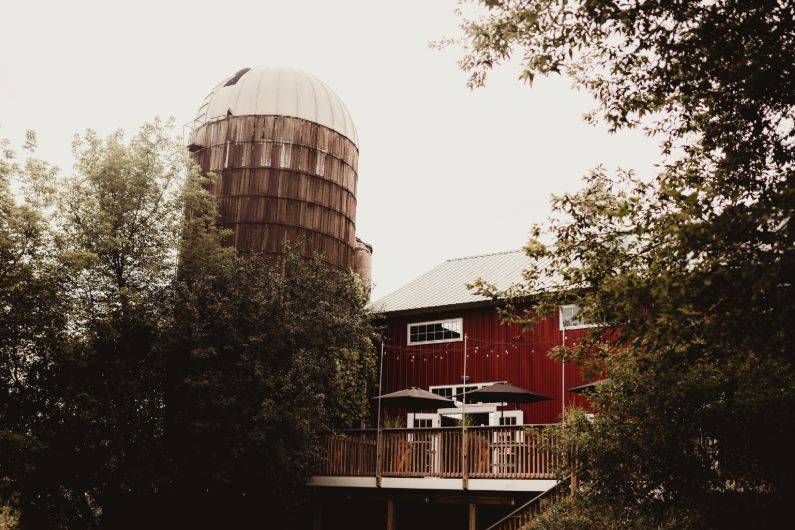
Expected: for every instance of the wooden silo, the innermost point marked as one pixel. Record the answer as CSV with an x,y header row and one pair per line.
x,y
285,151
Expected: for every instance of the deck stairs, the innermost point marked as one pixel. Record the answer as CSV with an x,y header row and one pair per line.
x,y
520,518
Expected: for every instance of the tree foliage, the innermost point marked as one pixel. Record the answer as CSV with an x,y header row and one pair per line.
x,y
689,269
145,367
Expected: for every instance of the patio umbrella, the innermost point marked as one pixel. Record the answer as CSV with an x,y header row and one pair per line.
x,y
504,392
414,399
589,388
499,392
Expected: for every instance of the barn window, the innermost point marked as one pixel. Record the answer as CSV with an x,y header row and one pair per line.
x,y
450,330
455,392
570,319
444,391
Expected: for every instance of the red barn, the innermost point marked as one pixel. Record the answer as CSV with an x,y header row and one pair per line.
x,y
424,468
431,320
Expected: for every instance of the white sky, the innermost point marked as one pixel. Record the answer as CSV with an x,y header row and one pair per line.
x,y
443,172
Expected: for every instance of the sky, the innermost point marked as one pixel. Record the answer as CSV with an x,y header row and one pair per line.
x,y
444,171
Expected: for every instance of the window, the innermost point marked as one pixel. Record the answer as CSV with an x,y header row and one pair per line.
x,y
569,318
507,420
455,392
437,331
418,420
446,392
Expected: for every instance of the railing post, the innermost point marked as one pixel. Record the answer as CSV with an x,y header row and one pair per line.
x,y
378,452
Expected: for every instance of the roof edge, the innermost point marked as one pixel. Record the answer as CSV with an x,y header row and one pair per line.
x,y
484,255
434,309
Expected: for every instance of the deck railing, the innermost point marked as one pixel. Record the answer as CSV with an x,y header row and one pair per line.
x,y
351,454
515,452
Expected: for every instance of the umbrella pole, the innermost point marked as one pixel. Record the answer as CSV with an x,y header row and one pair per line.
x,y
563,382
465,482
378,420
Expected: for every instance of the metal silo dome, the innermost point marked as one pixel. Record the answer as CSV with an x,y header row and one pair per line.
x,y
277,91
284,152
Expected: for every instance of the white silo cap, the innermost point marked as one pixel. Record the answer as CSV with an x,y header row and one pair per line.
x,y
277,91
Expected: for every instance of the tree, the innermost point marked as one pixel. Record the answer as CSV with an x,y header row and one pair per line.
x,y
146,367
32,322
85,446
263,360
689,269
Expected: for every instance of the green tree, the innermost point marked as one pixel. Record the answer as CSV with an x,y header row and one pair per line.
x,y
690,269
32,315
85,450
145,367
263,360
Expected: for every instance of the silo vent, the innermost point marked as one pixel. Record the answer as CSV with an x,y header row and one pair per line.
x,y
235,78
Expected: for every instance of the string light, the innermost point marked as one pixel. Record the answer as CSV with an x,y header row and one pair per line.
x,y
477,344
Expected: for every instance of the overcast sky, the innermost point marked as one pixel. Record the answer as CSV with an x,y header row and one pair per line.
x,y
444,172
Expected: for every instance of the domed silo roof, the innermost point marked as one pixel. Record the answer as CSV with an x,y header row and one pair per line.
x,y
277,91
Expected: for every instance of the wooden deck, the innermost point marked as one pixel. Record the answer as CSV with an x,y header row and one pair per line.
x,y
516,452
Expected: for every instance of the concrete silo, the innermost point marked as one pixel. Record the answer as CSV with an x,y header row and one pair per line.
x,y
286,152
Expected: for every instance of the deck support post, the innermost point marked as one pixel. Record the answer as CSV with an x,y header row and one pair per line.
x,y
390,514
317,516
473,516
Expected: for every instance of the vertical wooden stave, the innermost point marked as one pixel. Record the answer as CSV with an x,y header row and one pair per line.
x,y
309,202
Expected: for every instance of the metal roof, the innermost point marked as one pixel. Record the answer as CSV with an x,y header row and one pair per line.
x,y
278,91
445,285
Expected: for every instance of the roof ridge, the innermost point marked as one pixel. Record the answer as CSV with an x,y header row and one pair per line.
x,y
486,254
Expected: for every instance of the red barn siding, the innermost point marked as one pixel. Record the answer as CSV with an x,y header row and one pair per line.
x,y
496,352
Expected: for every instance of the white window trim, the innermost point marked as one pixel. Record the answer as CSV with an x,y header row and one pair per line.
x,y
494,417
470,387
567,328
408,331
436,419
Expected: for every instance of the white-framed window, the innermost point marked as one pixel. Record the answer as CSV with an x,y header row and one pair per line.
x,y
449,330
422,420
444,391
569,318
506,418
454,391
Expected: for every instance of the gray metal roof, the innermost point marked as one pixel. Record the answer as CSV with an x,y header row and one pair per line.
x,y
445,285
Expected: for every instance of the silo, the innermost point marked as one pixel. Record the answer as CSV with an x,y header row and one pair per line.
x,y
362,260
285,150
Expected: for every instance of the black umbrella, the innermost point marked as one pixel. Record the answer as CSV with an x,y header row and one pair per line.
x,y
589,388
503,392
414,399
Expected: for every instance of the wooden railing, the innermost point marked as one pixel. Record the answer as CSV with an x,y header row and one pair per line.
x,y
511,452
516,452
351,454
520,517
421,453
